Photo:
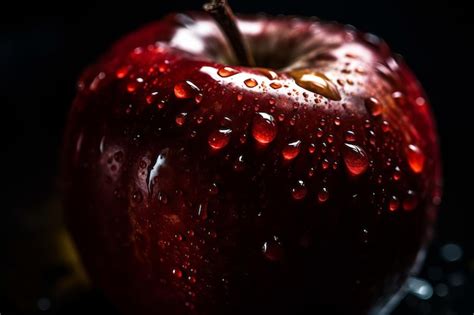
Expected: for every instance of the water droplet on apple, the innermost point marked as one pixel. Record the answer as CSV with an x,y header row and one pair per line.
x,y
239,164
325,163
319,133
299,190
213,189
251,83
372,138
95,83
420,101
355,158
270,74
373,105
399,98
312,148
360,70
397,174
323,195
227,72
151,98
291,150
137,196
264,128
316,82
186,89
160,105
275,85
393,204
198,98
162,197
385,126
122,72
330,138
410,202
350,136
272,249
240,97
162,68
181,119
218,139
365,236
132,86
177,273
416,158
118,156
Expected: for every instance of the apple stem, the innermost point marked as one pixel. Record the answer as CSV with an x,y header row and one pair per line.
x,y
225,18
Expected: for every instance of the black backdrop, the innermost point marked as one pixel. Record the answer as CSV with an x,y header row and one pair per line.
x,y
44,46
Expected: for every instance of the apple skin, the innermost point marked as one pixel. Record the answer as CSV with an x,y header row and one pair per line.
x,y
190,191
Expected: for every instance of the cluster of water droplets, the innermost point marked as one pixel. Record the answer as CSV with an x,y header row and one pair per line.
x,y
355,152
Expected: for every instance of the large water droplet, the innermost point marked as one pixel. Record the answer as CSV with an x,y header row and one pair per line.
x,y
299,190
291,150
264,128
186,89
416,158
355,158
218,139
316,82
227,72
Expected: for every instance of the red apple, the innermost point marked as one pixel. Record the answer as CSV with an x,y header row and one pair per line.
x,y
195,185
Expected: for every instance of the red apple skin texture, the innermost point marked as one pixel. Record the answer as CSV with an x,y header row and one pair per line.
x,y
176,208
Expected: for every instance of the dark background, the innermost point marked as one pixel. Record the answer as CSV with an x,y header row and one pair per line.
x,y
44,47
